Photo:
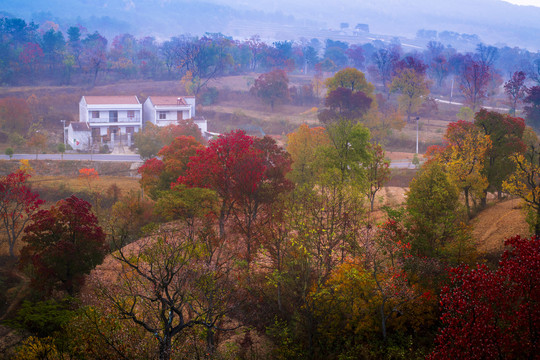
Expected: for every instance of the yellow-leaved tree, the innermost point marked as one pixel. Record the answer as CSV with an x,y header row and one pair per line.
x,y
352,79
525,183
463,158
466,165
413,88
302,144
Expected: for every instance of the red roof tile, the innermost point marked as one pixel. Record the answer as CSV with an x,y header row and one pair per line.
x,y
168,100
112,100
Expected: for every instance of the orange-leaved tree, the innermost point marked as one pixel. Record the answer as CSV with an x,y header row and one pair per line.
x,y
157,175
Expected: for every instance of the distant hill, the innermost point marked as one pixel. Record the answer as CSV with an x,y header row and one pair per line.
x,y
161,19
495,21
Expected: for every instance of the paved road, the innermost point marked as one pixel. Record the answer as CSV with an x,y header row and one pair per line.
x,y
401,164
461,104
78,157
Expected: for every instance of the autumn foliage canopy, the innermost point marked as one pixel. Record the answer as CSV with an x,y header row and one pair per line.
x,y
493,314
62,245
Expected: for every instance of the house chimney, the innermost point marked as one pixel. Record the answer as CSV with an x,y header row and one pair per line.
x,y
178,101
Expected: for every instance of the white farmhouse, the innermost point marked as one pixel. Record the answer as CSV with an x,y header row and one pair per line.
x,y
111,117
167,110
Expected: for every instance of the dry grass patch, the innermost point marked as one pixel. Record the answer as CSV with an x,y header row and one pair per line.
x,y
103,183
498,222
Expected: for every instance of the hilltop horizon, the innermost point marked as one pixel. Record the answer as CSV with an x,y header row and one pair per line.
x,y
496,22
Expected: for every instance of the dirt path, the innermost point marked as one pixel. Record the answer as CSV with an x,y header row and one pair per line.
x,y
498,222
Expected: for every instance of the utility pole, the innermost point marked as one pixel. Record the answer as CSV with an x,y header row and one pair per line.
x,y
452,89
417,121
63,131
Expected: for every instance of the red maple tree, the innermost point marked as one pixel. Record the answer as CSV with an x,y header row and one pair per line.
x,y
230,165
63,244
158,174
474,81
493,314
246,173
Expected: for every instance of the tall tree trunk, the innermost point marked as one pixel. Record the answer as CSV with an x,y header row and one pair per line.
x,y
165,348
383,319
210,346
537,224
466,190
280,306
483,201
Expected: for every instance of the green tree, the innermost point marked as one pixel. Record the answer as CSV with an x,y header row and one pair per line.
x,y
61,149
9,152
378,172
434,210
44,318
506,134
352,79
342,160
147,141
465,113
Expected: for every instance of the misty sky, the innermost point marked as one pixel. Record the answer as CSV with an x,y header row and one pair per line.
x,y
494,21
525,2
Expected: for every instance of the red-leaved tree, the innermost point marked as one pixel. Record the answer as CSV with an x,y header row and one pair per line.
x,y
474,81
17,204
272,87
344,103
246,173
63,244
158,174
493,314
515,89
229,165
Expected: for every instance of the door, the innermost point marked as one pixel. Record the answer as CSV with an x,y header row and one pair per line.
x,y
113,116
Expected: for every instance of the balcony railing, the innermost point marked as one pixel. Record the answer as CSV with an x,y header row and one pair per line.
x,y
135,119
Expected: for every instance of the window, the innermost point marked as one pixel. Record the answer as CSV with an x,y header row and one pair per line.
x,y
131,114
162,115
95,114
130,130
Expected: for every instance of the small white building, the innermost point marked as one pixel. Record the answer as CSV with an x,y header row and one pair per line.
x,y
79,135
110,117
167,110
